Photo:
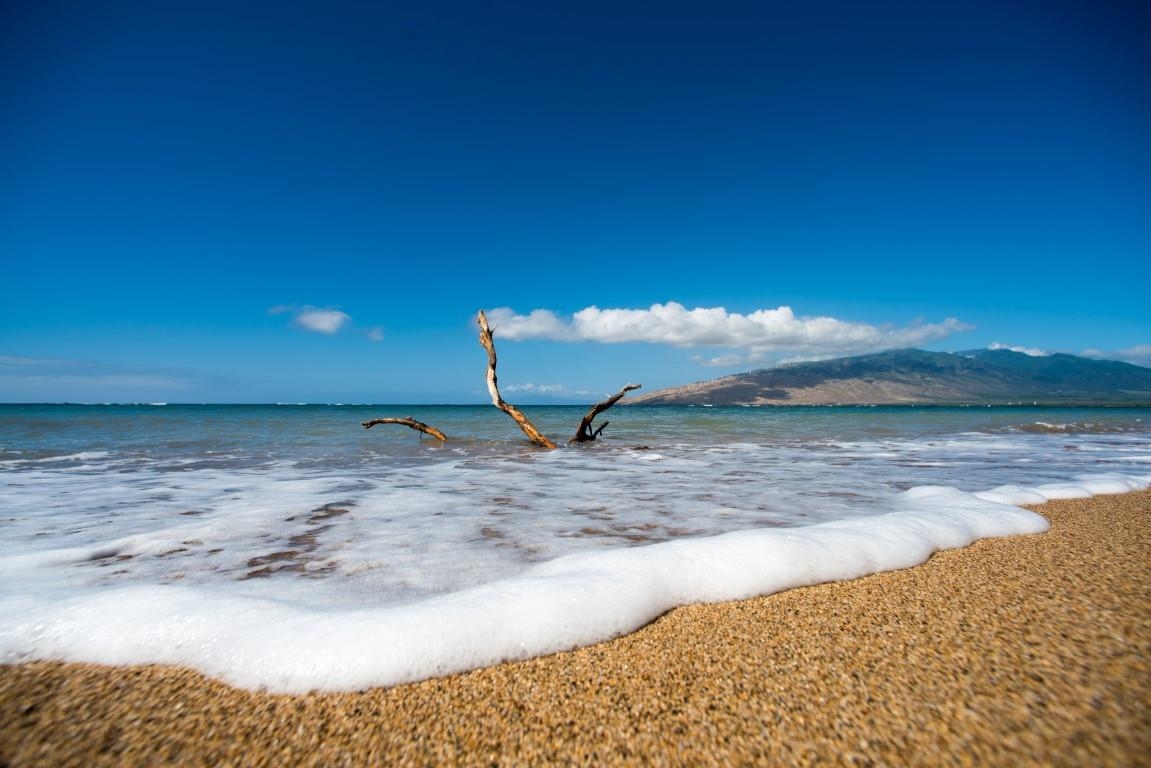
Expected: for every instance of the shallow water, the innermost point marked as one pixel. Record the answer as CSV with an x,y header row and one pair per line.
x,y
233,507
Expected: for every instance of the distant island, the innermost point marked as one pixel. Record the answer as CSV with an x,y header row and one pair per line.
x,y
915,376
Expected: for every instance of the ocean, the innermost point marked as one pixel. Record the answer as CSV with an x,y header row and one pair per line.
x,y
284,547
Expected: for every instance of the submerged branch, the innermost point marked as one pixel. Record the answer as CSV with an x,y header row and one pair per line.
x,y
419,426
528,428
585,433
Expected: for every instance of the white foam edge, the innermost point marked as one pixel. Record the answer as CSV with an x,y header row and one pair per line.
x,y
1084,486
566,603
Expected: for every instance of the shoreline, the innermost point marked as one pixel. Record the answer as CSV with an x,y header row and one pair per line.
x,y
1012,651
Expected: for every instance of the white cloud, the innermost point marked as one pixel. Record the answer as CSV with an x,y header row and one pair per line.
x,y
721,361
327,321
1032,351
757,333
376,334
537,389
1139,350
1140,354
323,320
538,324
546,391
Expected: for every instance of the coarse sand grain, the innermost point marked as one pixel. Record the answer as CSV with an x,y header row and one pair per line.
x,y
1029,650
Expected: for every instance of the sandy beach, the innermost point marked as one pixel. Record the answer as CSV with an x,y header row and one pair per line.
x,y
1032,650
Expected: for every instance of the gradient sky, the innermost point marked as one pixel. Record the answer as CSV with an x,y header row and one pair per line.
x,y
300,201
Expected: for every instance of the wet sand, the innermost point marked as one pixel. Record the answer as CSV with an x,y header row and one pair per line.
x,y
1031,650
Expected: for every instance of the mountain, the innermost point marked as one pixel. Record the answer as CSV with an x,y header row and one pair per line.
x,y
908,376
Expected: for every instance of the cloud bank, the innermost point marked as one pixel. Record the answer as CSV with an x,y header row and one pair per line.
x,y
41,379
1140,354
757,334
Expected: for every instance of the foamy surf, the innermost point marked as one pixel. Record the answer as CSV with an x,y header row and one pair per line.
x,y
562,604
288,549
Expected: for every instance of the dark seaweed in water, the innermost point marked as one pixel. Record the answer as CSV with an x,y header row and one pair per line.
x,y
299,557
1080,428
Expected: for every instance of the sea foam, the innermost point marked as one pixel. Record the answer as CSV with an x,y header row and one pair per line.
x,y
289,549
571,601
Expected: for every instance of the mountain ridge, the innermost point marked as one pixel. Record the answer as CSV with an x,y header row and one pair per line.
x,y
915,376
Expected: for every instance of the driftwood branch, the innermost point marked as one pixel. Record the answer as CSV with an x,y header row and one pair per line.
x,y
419,426
585,433
528,428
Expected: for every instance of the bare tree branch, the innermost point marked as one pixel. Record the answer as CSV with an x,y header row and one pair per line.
x,y
419,426
528,428
585,433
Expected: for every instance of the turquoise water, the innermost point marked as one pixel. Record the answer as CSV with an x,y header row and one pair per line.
x,y
487,503
793,452
295,431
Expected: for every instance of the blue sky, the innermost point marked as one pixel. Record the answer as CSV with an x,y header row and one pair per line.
x,y
299,201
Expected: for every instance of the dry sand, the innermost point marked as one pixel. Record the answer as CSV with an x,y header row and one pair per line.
x,y
1031,650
